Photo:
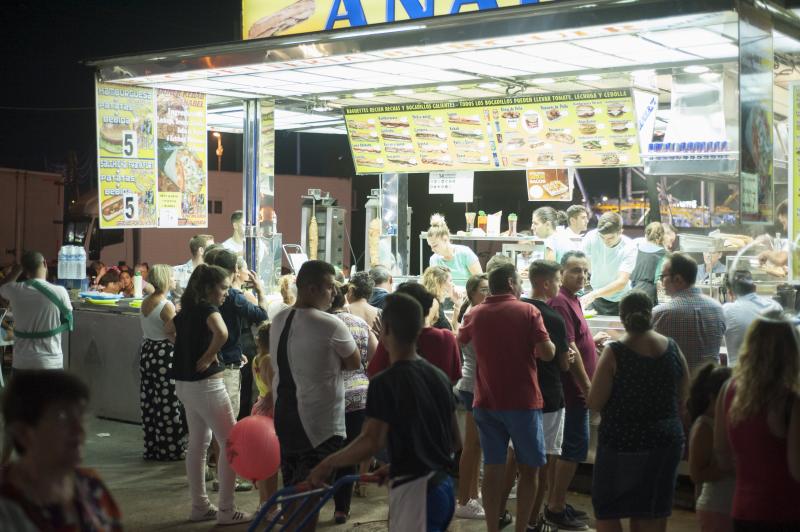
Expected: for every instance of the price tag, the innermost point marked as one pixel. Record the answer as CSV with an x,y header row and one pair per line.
x,y
168,217
130,144
130,210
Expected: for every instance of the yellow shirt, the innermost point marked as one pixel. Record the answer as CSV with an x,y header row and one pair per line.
x,y
263,387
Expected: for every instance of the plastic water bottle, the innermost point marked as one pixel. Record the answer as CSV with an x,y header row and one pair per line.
x,y
137,285
81,269
70,270
62,262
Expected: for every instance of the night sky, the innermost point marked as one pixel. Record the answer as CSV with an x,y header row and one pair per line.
x,y
47,108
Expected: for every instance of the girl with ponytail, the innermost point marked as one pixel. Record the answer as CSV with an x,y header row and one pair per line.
x,y
640,387
713,486
462,261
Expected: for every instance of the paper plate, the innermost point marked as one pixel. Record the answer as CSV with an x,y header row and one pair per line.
x,y
110,302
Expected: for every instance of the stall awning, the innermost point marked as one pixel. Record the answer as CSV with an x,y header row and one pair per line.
x,y
531,49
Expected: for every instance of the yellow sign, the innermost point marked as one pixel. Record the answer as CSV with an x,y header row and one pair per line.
x,y
182,153
587,129
126,156
270,18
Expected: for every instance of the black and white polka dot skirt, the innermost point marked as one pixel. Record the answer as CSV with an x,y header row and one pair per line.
x,y
163,419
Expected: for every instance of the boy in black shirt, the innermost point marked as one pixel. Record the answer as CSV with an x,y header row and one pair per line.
x,y
411,406
545,278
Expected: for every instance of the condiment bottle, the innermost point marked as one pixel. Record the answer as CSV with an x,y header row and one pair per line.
x,y
483,220
512,224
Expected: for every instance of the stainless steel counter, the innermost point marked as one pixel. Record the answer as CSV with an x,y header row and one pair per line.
x,y
104,351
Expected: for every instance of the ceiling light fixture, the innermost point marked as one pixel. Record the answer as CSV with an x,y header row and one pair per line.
x,y
590,77
696,69
404,92
328,98
490,86
544,81
364,94
709,76
446,88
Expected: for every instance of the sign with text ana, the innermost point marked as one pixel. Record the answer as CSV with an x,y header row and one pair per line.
x,y
459,184
151,148
543,131
270,18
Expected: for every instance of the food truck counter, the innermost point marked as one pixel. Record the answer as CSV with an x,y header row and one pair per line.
x,y
103,349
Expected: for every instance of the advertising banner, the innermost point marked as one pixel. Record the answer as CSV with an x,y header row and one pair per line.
x,y
585,129
794,177
270,18
182,154
550,185
756,61
126,162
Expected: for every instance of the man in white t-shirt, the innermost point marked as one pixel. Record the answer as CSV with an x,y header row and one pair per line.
x,y
197,247
42,311
236,242
309,348
612,258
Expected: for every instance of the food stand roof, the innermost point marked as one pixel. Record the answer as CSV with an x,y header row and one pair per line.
x,y
530,49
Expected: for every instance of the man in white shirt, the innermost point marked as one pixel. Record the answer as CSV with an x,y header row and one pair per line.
x,y
42,311
236,242
197,246
309,348
745,307
570,238
612,258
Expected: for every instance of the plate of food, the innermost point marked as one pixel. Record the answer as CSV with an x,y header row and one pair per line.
x,y
536,191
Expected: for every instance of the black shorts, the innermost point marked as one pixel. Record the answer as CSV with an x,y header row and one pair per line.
x,y
296,466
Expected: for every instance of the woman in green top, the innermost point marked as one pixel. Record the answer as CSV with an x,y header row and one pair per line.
x,y
461,260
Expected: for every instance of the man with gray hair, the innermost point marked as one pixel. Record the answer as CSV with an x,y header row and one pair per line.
x,y
42,311
383,285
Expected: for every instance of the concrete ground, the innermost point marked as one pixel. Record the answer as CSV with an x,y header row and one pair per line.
x,y
154,496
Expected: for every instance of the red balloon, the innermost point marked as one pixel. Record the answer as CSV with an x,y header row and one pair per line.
x,y
252,448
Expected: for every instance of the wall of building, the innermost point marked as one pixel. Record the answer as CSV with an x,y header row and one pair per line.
x,y
32,213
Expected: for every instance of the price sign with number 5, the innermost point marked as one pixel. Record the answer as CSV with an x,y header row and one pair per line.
x,y
131,207
130,144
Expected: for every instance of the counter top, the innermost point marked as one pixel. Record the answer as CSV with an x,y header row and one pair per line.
x,y
119,308
490,238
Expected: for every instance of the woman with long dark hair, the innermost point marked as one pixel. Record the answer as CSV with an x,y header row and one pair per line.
x,y
199,333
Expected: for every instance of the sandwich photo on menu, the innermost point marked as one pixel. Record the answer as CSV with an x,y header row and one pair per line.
x,y
112,207
367,149
394,122
402,160
467,133
395,134
455,118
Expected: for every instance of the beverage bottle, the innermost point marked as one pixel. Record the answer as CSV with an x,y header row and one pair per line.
x,y
81,263
482,221
62,262
137,284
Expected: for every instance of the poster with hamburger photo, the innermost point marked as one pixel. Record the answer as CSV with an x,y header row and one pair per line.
x,y
182,169
126,156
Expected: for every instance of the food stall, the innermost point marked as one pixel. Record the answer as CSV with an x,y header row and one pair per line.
x,y
550,90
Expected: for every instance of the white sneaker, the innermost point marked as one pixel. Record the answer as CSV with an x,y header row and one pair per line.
x,y
233,517
471,510
206,513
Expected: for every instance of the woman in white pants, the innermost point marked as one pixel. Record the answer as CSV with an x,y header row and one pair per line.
x,y
199,332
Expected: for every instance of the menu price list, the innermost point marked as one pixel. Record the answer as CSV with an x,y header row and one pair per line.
x,y
589,129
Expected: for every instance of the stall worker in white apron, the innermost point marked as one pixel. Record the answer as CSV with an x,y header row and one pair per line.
x,y
42,311
411,407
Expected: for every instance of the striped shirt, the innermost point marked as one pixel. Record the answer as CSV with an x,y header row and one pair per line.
x,y
696,323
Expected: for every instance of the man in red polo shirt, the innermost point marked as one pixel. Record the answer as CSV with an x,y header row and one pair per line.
x,y
508,335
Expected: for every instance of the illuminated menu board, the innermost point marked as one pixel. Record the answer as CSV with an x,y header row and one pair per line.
x,y
584,129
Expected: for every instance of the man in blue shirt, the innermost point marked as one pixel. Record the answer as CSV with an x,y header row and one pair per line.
x,y
746,306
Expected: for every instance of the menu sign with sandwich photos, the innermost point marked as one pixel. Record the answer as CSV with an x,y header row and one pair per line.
x,y
182,153
543,131
549,185
126,165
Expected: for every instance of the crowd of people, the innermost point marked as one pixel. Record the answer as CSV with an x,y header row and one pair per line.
x,y
361,375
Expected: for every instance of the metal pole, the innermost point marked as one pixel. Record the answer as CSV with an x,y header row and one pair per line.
x,y
252,129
